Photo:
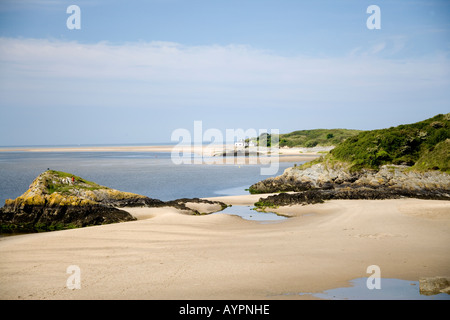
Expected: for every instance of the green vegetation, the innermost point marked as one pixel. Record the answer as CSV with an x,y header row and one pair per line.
x,y
77,179
311,163
262,205
316,137
42,227
265,140
305,138
423,145
254,190
437,158
59,186
38,227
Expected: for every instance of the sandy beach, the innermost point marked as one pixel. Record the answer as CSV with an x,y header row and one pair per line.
x,y
166,254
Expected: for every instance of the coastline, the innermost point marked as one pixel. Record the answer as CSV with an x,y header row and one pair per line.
x,y
209,152
166,254
125,148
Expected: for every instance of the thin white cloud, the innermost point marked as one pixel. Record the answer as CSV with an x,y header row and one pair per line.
x,y
389,47
155,74
378,48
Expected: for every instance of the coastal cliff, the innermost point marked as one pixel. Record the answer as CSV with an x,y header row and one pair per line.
x,y
59,200
404,161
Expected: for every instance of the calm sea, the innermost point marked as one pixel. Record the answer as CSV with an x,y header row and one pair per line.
x,y
146,173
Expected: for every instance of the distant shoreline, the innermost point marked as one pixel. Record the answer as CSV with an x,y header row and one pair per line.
x,y
93,148
283,154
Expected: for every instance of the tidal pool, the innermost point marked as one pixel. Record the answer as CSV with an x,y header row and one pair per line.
x,y
390,289
247,213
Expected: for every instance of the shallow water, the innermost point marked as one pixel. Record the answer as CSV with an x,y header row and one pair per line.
x,y
147,173
390,289
247,213
152,174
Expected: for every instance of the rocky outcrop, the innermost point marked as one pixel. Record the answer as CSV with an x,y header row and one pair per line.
x,y
28,217
295,179
345,193
325,176
59,200
182,204
434,285
324,181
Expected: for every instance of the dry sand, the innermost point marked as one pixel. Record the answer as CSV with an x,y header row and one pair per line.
x,y
170,255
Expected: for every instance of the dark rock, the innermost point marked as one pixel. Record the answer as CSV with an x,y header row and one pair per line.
x,y
137,202
55,201
181,204
349,193
42,218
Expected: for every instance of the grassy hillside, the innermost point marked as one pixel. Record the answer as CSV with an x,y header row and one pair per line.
x,y
423,145
316,137
53,182
435,158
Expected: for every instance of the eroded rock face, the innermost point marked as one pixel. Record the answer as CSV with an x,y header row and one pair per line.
x,y
323,176
295,179
322,182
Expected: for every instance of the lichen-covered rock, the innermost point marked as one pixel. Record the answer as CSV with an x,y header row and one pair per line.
x,y
322,181
330,176
434,285
59,200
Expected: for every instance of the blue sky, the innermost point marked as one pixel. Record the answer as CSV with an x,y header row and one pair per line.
x,y
138,70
